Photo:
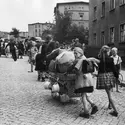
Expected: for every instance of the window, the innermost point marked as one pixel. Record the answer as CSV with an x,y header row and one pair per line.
x,y
112,4
112,32
81,16
122,33
102,38
95,13
94,39
122,2
103,9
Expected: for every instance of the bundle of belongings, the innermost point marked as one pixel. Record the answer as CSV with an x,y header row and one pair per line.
x,y
61,60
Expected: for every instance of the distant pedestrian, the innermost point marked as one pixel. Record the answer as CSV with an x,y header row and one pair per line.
x,y
117,62
33,52
21,49
13,49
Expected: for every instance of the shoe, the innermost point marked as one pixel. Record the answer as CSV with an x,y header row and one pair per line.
x,y
109,106
38,78
94,110
114,113
118,91
43,79
85,115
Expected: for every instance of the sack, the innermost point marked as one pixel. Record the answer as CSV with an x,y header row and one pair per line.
x,y
88,66
65,57
64,61
64,98
52,66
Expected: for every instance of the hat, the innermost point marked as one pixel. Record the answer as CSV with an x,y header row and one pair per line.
x,y
79,50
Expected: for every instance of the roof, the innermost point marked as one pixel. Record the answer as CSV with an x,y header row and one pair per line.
x,y
40,23
77,2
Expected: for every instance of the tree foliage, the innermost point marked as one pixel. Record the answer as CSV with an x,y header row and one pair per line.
x,y
78,32
15,32
46,33
65,30
63,22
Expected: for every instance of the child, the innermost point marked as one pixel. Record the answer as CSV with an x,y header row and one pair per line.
x,y
117,62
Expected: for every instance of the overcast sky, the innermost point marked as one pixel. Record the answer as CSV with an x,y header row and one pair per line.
x,y
20,13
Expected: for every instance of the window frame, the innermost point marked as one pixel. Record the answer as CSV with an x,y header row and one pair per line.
x,y
95,13
122,2
103,9
95,38
112,5
123,33
111,34
103,43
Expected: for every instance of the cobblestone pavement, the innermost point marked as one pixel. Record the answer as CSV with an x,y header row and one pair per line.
x,y
24,101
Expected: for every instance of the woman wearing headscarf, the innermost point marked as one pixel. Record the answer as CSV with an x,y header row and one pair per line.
x,y
83,83
106,73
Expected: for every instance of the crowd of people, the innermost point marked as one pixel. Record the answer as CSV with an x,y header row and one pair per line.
x,y
108,63
17,49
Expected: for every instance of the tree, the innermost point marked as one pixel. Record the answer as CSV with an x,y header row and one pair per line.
x,y
61,28
46,33
15,32
78,32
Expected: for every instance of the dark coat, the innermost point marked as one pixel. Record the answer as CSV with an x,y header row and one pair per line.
x,y
40,60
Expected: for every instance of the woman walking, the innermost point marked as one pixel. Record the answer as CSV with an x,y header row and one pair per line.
x,y
106,73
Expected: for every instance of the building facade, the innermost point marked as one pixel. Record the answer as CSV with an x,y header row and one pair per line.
x,y
4,35
107,23
79,12
23,34
36,29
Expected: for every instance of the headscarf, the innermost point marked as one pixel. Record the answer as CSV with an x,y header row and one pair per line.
x,y
79,50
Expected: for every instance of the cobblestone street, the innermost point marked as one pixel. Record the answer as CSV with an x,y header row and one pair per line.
x,y
24,101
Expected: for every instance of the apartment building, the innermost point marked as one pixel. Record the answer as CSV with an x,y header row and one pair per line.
x,y
36,29
79,12
107,24
23,34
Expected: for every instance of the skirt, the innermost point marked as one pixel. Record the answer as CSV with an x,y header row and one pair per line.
x,y
105,81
